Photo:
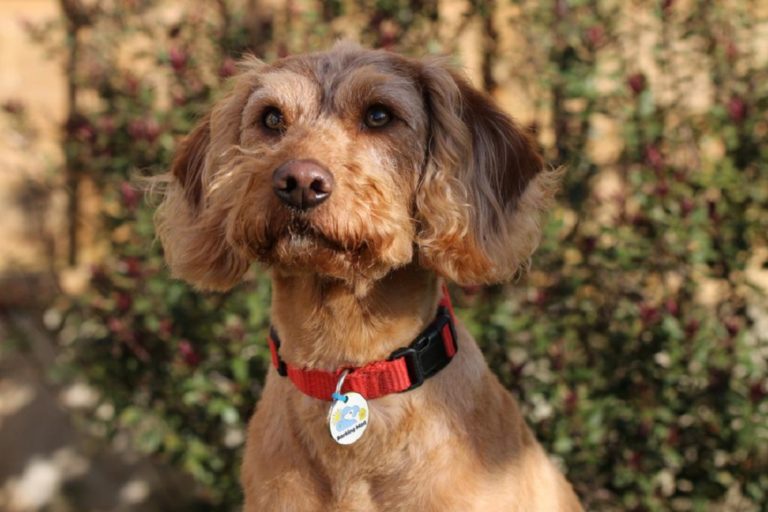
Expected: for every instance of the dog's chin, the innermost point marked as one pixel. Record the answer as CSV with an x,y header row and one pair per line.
x,y
309,252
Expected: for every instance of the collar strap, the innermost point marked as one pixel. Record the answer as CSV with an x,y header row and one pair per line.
x,y
405,369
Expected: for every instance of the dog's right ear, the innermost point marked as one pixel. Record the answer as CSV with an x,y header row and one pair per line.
x,y
189,161
191,222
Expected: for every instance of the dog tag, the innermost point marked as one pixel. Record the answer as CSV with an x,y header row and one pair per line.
x,y
348,417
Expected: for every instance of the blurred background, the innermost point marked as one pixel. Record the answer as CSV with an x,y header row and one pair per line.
x,y
637,343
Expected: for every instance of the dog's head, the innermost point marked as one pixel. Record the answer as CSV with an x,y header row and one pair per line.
x,y
348,164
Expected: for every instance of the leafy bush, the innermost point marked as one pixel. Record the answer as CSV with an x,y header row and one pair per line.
x,y
633,343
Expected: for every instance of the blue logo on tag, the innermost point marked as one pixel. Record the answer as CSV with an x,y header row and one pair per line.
x,y
348,418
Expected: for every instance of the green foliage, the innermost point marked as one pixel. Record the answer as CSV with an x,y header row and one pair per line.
x,y
650,388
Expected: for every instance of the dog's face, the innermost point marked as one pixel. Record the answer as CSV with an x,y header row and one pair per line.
x,y
348,164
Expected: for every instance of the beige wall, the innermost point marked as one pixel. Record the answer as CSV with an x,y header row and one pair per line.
x,y
25,72
28,150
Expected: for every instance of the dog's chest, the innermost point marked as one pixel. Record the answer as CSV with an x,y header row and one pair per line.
x,y
401,460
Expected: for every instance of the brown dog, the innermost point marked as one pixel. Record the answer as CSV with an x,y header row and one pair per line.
x,y
363,178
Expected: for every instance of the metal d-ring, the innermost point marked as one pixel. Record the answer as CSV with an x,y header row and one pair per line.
x,y
337,394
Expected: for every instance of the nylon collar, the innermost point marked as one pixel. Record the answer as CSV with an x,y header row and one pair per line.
x,y
405,369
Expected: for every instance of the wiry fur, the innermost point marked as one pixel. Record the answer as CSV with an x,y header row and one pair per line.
x,y
451,188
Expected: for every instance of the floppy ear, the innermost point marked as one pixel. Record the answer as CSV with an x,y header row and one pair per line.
x,y
484,185
191,221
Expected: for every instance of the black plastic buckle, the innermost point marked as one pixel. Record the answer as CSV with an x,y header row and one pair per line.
x,y
282,370
411,356
427,355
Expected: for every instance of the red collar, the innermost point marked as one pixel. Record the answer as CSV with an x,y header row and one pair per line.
x,y
405,369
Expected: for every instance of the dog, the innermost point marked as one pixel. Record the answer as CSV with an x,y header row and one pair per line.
x,y
365,180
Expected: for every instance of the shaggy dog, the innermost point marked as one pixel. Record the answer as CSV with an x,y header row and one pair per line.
x,y
364,179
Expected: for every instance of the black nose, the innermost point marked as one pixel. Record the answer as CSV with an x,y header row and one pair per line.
x,y
302,184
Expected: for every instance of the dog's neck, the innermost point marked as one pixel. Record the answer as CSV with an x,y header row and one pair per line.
x,y
324,324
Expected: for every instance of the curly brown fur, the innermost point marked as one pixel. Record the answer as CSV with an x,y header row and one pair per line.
x,y
451,188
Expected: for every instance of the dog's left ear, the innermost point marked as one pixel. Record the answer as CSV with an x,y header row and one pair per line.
x,y
484,185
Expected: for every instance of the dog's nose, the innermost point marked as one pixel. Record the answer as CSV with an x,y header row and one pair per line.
x,y
302,184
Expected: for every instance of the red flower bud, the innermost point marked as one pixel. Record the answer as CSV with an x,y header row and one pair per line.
x,y
681,176
115,325
561,8
165,328
236,331
673,436
686,206
692,327
132,85
151,129
85,133
654,157
179,99
130,266
144,129
637,83
758,391
639,220
644,428
571,401
178,59
712,211
123,301
737,109
129,195
718,379
387,41
388,32
588,244
648,313
672,307
136,129
595,36
188,353
80,128
107,125
227,68
98,274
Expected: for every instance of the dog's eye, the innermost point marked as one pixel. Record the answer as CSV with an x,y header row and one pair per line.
x,y
273,119
377,116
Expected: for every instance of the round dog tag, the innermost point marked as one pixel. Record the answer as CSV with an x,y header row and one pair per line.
x,y
348,418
